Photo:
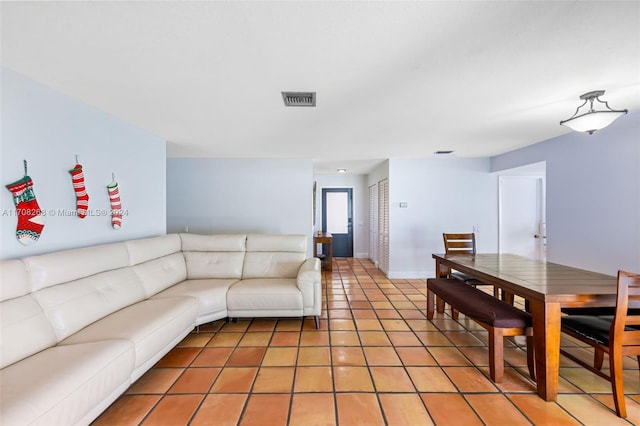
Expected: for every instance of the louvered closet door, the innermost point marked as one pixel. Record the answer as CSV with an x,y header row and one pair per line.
x,y
383,225
373,223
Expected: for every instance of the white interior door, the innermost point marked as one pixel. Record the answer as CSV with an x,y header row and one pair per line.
x,y
522,223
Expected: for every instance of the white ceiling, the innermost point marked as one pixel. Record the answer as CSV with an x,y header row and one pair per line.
x,y
393,79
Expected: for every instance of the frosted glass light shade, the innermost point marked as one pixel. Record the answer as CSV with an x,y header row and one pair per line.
x,y
592,121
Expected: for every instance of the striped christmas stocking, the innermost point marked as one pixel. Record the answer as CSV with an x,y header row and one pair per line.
x,y
82,198
116,206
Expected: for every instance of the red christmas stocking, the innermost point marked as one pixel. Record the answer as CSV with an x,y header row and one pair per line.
x,y
82,198
116,206
30,217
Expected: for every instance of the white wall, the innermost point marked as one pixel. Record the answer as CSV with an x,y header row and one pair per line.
x,y
443,195
226,195
593,195
48,129
360,207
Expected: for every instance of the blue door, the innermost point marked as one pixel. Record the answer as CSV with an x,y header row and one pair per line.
x,y
337,219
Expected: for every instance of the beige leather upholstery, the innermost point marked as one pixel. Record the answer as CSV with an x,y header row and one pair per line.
x,y
72,306
25,330
260,297
14,279
159,274
79,326
64,266
214,243
152,248
202,265
211,295
60,385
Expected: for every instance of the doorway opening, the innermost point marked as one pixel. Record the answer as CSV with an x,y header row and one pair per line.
x,y
337,219
522,206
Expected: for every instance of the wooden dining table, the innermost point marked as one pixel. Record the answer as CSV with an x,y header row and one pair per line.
x,y
546,287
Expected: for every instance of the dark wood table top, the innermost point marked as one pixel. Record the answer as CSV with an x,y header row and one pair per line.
x,y
536,280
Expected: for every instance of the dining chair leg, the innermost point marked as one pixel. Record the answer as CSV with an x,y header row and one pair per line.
x,y
531,359
617,380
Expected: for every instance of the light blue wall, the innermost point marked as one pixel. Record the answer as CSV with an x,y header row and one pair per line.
x,y
442,195
593,195
224,195
48,129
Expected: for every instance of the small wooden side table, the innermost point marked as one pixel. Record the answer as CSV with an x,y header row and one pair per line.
x,y
325,239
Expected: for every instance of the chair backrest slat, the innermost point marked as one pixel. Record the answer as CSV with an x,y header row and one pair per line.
x,y
459,243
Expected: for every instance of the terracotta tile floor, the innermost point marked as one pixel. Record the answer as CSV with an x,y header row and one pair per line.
x,y
375,360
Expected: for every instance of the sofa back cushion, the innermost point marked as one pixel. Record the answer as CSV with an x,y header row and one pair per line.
x,y
146,249
14,279
214,256
159,274
23,326
76,304
63,266
158,262
274,256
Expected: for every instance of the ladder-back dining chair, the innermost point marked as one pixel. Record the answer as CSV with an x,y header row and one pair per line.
x,y
462,243
617,335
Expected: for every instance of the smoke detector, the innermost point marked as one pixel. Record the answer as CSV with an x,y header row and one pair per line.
x,y
299,99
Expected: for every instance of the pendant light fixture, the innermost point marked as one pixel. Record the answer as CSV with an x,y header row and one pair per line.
x,y
593,119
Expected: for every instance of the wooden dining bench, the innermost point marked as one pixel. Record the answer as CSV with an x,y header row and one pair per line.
x,y
499,318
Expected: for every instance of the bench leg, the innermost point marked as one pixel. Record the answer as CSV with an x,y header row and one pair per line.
x,y
496,354
430,304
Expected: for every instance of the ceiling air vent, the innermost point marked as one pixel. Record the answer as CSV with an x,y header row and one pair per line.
x,y
443,152
299,99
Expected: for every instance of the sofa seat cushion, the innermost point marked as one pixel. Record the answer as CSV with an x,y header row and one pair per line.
x,y
60,385
152,325
210,293
264,294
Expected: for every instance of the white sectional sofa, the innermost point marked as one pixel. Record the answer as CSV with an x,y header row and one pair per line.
x,y
78,327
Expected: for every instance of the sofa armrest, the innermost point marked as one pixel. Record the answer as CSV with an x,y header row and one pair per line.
x,y
309,273
308,281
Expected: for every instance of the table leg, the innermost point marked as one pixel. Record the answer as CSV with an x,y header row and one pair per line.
x,y
546,335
